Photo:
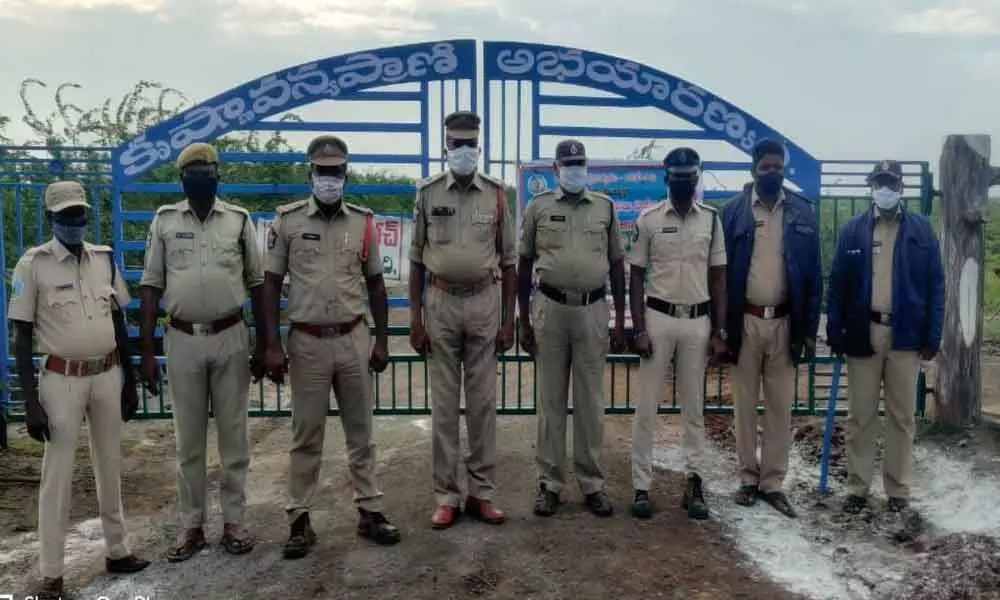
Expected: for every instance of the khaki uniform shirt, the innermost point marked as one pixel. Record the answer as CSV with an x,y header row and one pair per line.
x,y
678,251
455,230
572,243
199,265
883,246
68,300
326,260
766,282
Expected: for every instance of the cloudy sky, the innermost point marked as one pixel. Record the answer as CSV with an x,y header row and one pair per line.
x,y
842,78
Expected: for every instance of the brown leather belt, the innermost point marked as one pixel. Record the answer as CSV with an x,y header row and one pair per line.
x,y
81,368
456,288
206,328
882,318
327,331
767,312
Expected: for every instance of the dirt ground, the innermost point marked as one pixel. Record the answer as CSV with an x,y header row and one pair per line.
x,y
571,555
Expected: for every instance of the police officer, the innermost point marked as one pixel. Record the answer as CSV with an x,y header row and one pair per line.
x,y
202,258
330,251
679,245
463,238
69,292
774,284
572,235
885,312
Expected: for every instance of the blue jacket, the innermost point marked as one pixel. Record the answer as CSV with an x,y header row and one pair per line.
x,y
917,287
803,271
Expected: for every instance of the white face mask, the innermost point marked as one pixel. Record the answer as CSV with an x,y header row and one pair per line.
x,y
885,198
463,160
327,190
573,179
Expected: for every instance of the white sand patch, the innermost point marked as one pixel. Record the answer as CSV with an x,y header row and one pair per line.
x,y
952,496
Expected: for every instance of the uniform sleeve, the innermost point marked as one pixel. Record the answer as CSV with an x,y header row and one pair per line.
x,y
153,270
24,293
616,248
717,254
373,266
526,247
419,237
508,239
122,295
277,248
640,244
253,268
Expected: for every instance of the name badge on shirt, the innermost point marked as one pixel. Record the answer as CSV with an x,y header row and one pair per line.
x,y
758,224
64,287
669,229
442,211
184,235
314,237
558,218
876,248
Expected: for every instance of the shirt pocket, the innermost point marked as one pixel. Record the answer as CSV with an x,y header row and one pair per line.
x,y
229,254
595,237
441,228
347,253
665,244
103,295
306,253
699,247
552,235
64,305
483,227
180,252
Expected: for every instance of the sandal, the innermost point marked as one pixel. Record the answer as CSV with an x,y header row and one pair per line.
x,y
193,543
237,540
780,503
746,495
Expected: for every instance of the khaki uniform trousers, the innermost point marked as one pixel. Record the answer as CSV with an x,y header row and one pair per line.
x,y
764,355
200,367
67,400
898,370
687,339
316,364
570,340
463,332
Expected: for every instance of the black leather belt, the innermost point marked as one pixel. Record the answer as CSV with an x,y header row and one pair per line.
x,y
206,328
881,318
572,298
680,311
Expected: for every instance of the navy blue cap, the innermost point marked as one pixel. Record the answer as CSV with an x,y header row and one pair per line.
x,y
887,167
682,161
570,150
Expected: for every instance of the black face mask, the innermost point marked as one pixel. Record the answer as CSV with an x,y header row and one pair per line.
x,y
682,190
200,190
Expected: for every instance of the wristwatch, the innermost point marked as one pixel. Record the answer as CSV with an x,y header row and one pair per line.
x,y
722,334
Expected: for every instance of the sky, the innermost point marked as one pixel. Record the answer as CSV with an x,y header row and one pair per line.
x,y
844,79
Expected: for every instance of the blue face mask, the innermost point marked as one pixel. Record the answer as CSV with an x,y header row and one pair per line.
x,y
70,230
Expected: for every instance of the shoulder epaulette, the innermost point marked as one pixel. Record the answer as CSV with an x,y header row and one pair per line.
x,y
168,208
542,194
494,180
432,179
100,248
600,195
287,208
707,207
31,252
236,208
360,208
650,208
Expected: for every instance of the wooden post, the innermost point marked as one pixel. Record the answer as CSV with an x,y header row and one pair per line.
x,y
966,177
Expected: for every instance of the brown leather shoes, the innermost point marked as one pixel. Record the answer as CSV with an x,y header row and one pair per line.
x,y
444,517
484,510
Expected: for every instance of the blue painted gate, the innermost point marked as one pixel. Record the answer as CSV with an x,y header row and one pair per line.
x,y
529,95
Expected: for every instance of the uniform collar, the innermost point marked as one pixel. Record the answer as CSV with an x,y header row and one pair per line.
x,y
695,209
561,195
216,206
313,209
451,181
755,199
881,215
61,253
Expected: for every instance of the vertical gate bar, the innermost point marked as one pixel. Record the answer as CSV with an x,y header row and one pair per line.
x,y
517,124
535,116
425,128
39,216
503,129
19,220
487,124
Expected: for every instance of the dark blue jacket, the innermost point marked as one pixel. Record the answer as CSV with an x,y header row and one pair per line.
x,y
917,287
803,271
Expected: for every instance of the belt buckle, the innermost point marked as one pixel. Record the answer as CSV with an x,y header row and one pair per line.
x,y
329,331
769,312
95,366
884,318
200,329
574,299
680,311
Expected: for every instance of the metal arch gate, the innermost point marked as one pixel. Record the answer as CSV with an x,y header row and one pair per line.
x,y
440,77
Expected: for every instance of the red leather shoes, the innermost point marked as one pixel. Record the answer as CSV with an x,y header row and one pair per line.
x,y
484,510
444,517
